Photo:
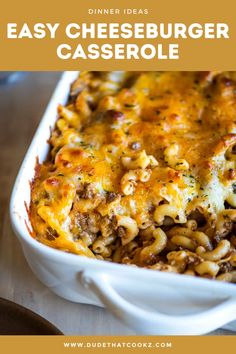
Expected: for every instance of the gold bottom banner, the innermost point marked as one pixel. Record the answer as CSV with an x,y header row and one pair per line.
x,y
111,344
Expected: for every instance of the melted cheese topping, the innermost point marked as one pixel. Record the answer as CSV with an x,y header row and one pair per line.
x,y
135,151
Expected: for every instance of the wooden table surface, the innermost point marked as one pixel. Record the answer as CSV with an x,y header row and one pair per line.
x,y
21,107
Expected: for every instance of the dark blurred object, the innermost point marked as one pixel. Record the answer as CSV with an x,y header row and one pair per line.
x,y
10,77
18,320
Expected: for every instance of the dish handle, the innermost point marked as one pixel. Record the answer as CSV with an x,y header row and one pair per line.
x,y
153,323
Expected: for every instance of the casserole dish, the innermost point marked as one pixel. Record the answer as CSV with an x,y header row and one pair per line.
x,y
149,301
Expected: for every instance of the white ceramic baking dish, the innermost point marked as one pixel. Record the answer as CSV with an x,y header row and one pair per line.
x,y
151,302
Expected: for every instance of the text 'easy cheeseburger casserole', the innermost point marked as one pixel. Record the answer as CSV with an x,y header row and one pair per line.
x,y
142,172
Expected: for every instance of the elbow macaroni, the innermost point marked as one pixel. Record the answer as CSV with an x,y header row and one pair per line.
x,y
171,157
159,243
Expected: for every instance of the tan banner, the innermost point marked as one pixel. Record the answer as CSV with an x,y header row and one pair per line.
x,y
126,35
116,345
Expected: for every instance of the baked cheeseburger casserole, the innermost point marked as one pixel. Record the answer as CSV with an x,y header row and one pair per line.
x,y
142,171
